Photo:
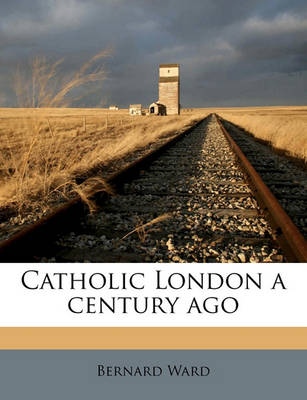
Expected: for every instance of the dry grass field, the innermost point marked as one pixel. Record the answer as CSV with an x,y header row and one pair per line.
x,y
285,128
44,149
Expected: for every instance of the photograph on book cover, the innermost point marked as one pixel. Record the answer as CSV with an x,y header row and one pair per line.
x,y
153,199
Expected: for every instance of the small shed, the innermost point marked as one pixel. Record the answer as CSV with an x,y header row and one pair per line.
x,y
157,109
113,108
135,109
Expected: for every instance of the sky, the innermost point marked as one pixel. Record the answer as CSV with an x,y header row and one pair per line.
x,y
231,52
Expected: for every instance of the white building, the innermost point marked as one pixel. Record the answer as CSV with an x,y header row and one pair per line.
x,y
157,109
135,109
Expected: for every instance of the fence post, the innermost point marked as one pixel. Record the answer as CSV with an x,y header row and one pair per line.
x,y
51,131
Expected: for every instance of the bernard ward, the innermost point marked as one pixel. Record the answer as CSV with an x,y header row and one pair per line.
x,y
174,370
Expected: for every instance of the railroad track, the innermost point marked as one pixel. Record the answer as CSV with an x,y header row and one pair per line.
x,y
190,201
287,182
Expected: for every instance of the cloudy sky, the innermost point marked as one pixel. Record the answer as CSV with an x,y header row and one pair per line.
x,y
232,53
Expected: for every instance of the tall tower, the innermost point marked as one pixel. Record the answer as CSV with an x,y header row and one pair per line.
x,y
169,88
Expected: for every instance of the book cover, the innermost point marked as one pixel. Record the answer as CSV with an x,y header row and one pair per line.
x,y
209,308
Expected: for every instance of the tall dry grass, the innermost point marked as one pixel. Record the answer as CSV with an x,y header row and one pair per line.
x,y
285,128
43,84
30,160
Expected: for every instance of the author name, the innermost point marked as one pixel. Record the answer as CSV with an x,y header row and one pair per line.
x,y
153,371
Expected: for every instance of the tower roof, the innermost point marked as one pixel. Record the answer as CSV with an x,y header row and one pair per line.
x,y
169,65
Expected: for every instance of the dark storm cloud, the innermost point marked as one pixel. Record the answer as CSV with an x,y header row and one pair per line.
x,y
238,52
282,40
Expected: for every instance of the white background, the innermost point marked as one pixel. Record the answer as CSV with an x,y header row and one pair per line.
x,y
22,307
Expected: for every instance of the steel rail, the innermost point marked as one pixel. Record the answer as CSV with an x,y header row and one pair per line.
x,y
21,246
285,231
